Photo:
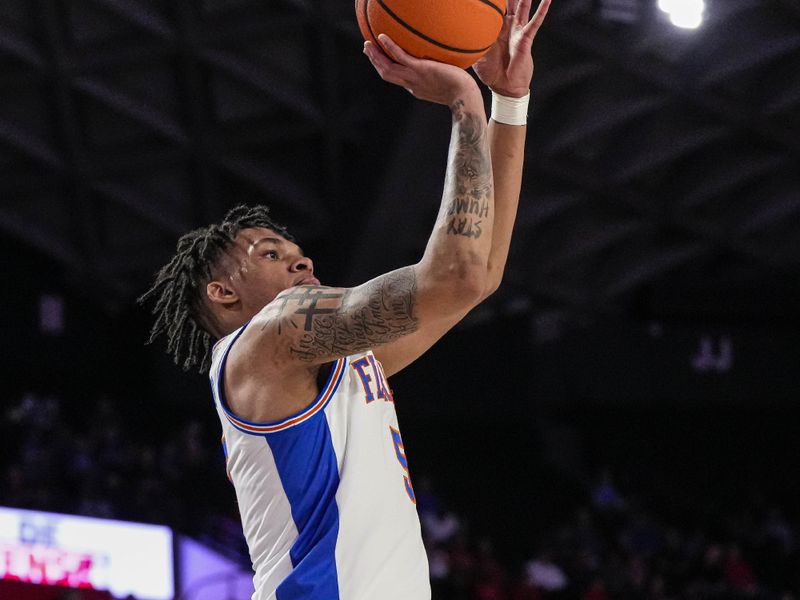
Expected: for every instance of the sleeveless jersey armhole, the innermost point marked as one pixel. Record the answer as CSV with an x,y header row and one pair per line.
x,y
327,391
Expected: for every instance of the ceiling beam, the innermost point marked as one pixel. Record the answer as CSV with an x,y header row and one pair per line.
x,y
591,39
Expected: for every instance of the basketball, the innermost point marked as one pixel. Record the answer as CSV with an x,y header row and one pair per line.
x,y
457,32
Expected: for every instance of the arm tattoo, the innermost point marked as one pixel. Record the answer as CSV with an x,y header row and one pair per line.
x,y
471,180
385,313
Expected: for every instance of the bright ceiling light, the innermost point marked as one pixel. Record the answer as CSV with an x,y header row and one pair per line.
x,y
687,14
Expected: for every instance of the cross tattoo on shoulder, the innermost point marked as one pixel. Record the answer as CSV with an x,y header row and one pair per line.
x,y
307,297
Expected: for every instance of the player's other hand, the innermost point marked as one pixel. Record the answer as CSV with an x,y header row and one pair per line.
x,y
424,79
508,67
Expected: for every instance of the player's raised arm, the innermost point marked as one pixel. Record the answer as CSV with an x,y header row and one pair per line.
x,y
315,325
507,69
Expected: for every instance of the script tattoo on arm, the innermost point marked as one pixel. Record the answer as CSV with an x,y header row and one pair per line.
x,y
374,315
472,177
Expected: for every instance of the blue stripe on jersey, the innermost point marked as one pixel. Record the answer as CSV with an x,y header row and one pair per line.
x,y
306,463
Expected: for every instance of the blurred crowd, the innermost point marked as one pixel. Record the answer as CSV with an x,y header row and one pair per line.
x,y
612,542
100,463
613,548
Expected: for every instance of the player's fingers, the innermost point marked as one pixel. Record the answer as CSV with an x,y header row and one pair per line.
x,y
376,56
388,69
396,52
538,17
379,58
511,9
531,29
523,11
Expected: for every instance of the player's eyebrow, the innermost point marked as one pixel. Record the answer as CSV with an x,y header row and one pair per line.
x,y
269,240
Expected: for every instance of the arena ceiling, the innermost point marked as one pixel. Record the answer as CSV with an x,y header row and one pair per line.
x,y
662,175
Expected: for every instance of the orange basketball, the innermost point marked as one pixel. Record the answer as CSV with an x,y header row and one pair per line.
x,y
458,32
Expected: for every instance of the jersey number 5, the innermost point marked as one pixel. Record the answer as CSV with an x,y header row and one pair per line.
x,y
400,452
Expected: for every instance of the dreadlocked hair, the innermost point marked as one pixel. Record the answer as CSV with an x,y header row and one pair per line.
x,y
180,285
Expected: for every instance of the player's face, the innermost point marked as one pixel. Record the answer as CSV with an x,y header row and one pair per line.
x,y
265,264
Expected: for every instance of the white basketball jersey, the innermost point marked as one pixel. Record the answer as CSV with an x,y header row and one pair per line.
x,y
326,501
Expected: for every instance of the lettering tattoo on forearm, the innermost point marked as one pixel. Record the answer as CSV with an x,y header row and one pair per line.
x,y
471,177
387,314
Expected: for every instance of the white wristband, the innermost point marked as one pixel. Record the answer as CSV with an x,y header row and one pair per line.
x,y
511,111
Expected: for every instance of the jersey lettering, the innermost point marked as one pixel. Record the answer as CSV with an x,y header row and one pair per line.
x,y
359,365
370,372
400,452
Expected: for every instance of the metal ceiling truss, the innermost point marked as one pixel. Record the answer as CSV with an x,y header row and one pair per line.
x,y
650,150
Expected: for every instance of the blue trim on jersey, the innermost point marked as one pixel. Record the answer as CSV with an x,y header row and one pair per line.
x,y
306,463
330,388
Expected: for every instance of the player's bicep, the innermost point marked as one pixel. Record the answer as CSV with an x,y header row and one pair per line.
x,y
315,324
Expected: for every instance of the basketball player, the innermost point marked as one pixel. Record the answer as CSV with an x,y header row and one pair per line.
x,y
299,370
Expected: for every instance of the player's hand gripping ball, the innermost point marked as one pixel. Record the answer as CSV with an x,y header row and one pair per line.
x,y
457,32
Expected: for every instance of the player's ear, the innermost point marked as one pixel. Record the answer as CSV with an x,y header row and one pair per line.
x,y
219,292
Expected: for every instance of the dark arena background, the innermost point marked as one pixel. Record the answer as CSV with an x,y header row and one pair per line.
x,y
620,420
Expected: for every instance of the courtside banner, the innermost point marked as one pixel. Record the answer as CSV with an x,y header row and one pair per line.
x,y
80,552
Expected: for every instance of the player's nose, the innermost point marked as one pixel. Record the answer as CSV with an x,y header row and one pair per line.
x,y
303,264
